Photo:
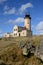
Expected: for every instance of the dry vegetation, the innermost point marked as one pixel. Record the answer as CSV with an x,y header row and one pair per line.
x,y
11,54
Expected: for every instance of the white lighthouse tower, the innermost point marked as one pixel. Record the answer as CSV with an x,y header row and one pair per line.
x,y
27,22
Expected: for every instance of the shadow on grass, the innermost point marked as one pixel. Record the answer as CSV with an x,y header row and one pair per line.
x,y
2,64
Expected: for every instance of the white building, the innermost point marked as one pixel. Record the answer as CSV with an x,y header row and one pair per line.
x,y
22,31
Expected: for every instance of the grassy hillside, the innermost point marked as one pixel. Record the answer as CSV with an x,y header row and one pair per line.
x,y
11,54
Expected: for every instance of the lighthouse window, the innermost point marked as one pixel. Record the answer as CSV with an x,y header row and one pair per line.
x,y
27,22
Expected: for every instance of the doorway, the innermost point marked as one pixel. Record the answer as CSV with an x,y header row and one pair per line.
x,y
19,34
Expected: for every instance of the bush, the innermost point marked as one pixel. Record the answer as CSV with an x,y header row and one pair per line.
x,y
0,38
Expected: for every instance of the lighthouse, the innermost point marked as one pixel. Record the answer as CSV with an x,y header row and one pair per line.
x,y
27,22
22,31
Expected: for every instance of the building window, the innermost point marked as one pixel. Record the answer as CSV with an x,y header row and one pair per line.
x,y
15,29
15,34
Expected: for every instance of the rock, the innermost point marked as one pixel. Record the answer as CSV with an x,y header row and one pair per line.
x,y
39,51
26,47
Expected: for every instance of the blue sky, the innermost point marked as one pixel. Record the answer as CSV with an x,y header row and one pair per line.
x,y
12,13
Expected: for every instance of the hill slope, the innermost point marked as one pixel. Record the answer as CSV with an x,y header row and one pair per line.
x,y
11,54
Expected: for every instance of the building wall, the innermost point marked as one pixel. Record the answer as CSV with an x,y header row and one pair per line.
x,y
24,33
6,35
15,29
16,34
18,31
29,33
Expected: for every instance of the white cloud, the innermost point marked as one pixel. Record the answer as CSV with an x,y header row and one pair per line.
x,y
25,6
10,11
10,21
32,26
39,27
13,10
2,1
41,32
19,19
0,31
6,8
1,34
